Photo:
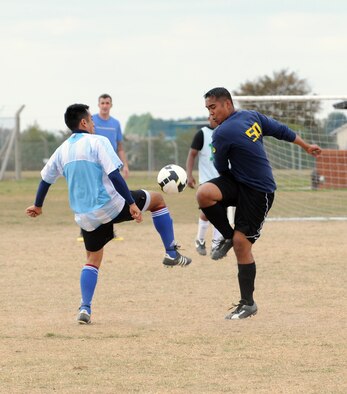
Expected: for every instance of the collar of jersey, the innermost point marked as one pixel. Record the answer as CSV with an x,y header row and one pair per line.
x,y
80,131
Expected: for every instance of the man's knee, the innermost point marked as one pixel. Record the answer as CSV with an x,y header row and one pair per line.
x,y
95,258
157,201
201,193
241,243
208,193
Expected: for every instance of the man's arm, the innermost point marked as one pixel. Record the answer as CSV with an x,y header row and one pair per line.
x,y
122,156
195,148
283,132
122,188
220,151
36,209
311,149
189,167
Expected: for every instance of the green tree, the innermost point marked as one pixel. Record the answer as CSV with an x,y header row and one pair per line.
x,y
167,140
286,83
37,145
138,125
282,83
184,141
334,121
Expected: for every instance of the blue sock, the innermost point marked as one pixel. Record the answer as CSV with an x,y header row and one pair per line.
x,y
164,225
89,277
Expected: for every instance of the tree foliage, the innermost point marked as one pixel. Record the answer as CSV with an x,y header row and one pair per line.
x,y
168,141
37,145
283,83
138,124
334,121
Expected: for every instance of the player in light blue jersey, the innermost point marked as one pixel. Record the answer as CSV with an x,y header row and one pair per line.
x,y
99,197
109,127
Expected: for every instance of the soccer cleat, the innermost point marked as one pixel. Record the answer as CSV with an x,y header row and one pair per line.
x,y
200,247
178,260
213,248
83,317
118,239
221,249
80,237
242,311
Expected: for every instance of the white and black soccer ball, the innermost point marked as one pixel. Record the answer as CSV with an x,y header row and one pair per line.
x,y
172,179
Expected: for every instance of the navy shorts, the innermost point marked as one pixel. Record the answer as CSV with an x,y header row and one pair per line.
x,y
98,238
252,206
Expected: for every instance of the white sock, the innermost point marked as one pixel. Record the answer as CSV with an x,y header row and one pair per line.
x,y
202,229
216,237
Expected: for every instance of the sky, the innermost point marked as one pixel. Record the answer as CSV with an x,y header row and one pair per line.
x,y
160,56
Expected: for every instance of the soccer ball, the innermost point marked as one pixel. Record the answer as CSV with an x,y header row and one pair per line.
x,y
172,179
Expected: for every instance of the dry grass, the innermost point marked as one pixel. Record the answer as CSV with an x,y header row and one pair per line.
x,y
160,330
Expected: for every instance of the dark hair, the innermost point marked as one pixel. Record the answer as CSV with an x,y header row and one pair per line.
x,y
105,96
218,93
74,114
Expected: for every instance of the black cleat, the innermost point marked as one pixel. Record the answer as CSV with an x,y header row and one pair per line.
x,y
221,250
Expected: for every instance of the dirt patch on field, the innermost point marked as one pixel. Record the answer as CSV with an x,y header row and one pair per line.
x,y
159,330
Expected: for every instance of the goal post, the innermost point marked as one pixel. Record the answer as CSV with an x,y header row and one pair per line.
x,y
307,187
9,142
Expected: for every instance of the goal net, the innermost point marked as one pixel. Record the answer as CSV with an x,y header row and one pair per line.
x,y
7,140
10,142
307,187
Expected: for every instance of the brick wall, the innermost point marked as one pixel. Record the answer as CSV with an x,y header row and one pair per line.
x,y
331,167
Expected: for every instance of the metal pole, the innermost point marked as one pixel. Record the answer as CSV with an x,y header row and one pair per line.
x,y
7,155
293,155
17,147
174,143
45,147
149,152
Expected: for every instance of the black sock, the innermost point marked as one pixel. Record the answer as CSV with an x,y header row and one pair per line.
x,y
246,277
217,215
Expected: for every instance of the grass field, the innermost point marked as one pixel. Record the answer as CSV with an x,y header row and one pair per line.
x,y
158,330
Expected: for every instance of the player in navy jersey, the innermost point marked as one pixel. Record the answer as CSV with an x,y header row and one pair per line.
x,y
99,197
201,148
246,182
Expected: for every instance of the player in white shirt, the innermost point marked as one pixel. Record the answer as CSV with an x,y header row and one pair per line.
x,y
201,149
99,197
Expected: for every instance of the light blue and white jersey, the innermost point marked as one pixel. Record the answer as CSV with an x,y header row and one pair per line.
x,y
85,160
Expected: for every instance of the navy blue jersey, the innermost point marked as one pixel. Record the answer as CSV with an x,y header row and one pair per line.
x,y
238,148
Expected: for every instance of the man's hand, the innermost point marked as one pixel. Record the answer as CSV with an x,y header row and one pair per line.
x,y
311,149
135,212
125,171
33,211
314,150
191,181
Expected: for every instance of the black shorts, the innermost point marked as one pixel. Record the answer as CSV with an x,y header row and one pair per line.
x,y
98,238
252,206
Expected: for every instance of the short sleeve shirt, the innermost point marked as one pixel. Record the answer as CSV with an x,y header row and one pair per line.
x,y
109,128
85,160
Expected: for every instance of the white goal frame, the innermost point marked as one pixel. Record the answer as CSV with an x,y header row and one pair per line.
x,y
302,196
